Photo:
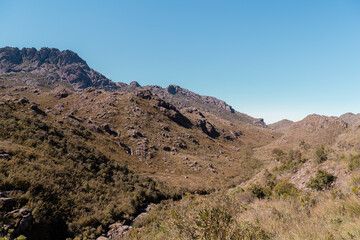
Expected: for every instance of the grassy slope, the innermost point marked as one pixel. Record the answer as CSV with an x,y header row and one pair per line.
x,y
235,214
64,178
79,180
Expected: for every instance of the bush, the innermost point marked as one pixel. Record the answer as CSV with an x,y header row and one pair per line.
x,y
277,152
213,223
320,155
321,181
291,160
248,231
285,189
354,162
260,191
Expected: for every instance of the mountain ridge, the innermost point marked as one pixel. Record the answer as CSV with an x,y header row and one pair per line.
x,y
50,67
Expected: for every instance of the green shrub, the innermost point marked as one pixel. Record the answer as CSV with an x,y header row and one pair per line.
x,y
248,231
285,189
320,155
213,223
290,161
260,191
321,181
67,181
354,162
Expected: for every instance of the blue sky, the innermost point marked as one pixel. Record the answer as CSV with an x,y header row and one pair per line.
x,y
268,58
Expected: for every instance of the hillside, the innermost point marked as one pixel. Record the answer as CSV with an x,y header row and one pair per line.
x,y
75,137
281,125
350,118
82,157
314,130
49,68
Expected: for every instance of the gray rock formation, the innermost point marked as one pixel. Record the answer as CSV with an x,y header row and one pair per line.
x,y
50,65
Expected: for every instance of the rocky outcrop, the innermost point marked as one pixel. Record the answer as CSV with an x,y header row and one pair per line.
x,y
351,118
13,222
184,98
260,123
208,128
52,65
134,84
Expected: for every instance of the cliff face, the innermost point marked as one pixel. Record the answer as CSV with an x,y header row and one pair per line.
x,y
51,65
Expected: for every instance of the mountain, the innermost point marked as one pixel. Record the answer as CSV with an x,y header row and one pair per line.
x,y
50,67
314,130
351,118
79,152
281,125
82,157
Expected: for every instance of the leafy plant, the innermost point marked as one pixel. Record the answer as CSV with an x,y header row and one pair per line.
x,y
320,154
354,162
322,180
260,191
285,189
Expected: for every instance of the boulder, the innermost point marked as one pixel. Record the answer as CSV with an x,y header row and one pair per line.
x,y
23,101
145,94
5,156
109,131
208,128
260,123
61,94
173,89
102,238
7,204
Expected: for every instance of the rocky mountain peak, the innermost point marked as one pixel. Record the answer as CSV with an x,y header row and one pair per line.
x,y
51,65
135,84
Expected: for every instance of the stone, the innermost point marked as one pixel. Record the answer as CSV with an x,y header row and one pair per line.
x,y
5,156
173,89
23,101
168,149
260,123
208,128
102,238
145,94
61,94
109,131
6,204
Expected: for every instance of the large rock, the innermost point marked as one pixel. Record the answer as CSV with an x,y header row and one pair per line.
x,y
7,204
208,128
260,123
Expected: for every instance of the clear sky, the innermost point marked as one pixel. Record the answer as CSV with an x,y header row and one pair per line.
x,y
268,58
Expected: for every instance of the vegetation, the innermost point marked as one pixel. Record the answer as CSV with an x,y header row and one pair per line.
x,y
305,215
354,162
77,181
288,161
285,189
320,154
321,181
68,183
260,191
